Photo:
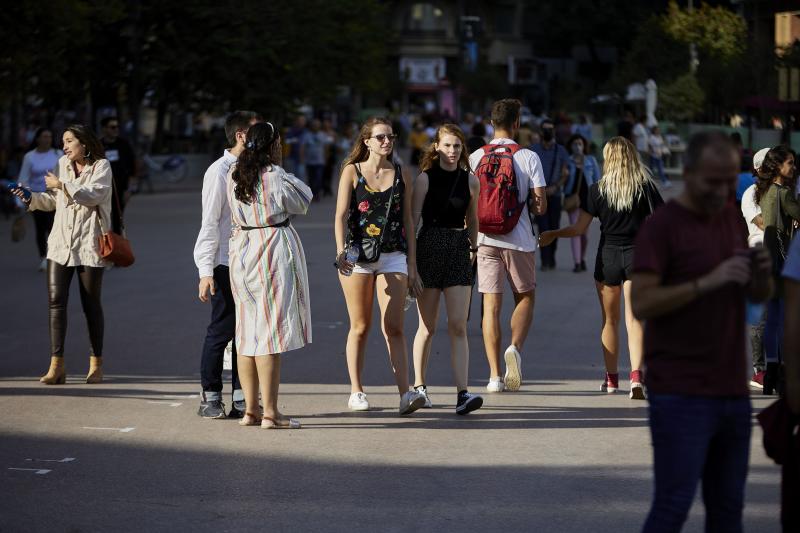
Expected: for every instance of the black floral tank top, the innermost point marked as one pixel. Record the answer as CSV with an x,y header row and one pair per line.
x,y
368,213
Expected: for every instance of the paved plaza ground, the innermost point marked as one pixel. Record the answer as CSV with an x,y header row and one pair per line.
x,y
132,455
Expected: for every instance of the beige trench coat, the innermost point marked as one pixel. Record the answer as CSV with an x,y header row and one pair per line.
x,y
74,240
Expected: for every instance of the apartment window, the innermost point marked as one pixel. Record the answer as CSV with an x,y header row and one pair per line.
x,y
424,18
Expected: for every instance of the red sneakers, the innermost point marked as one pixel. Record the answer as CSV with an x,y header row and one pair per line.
x,y
757,381
610,384
637,389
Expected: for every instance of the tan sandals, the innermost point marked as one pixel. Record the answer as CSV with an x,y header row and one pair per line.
x,y
249,419
282,423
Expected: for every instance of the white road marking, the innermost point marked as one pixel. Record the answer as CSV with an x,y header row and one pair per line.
x,y
171,404
39,471
121,430
64,460
179,397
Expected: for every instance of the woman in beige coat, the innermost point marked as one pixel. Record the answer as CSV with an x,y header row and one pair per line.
x,y
79,191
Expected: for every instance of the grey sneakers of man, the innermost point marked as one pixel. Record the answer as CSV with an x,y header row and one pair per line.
x,y
212,409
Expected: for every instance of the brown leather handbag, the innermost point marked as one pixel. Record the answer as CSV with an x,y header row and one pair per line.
x,y
113,246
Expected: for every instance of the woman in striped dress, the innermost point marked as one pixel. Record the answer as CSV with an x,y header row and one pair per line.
x,y
269,279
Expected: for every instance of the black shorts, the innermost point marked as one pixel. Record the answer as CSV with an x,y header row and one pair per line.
x,y
443,258
614,264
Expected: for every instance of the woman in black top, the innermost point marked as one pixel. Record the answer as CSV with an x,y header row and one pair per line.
x,y
446,197
623,198
373,206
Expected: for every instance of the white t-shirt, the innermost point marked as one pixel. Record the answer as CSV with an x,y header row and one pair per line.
x,y
528,171
750,210
640,136
791,268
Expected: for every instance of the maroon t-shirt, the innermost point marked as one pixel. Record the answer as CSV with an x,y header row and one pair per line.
x,y
697,349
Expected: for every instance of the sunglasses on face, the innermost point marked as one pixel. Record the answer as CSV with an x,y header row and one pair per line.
x,y
381,137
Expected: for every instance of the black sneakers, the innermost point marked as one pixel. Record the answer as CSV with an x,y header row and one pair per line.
x,y
212,409
237,411
468,402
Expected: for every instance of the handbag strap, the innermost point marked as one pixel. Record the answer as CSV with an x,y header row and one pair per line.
x,y
398,175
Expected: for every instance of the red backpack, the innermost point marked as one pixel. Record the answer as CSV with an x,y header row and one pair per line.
x,y
499,207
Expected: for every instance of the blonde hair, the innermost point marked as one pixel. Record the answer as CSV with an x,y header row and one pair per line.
x,y
624,175
431,154
360,152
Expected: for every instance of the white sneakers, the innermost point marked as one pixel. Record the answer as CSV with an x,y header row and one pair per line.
x,y
410,401
513,377
358,402
495,385
423,390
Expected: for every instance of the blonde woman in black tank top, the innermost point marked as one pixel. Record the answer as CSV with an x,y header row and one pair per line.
x,y
445,198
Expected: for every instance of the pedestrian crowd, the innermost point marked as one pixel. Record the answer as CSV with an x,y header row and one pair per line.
x,y
692,271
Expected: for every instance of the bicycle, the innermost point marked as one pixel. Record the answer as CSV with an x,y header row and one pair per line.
x,y
172,169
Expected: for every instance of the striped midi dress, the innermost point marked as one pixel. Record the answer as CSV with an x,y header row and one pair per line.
x,y
269,277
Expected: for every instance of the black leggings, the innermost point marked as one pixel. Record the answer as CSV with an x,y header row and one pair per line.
x,y
90,280
43,221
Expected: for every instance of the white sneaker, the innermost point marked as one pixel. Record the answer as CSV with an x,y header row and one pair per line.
x,y
637,391
496,385
410,401
513,377
423,390
358,402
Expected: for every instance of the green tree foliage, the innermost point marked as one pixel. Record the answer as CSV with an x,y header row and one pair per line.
x,y
269,56
719,32
681,99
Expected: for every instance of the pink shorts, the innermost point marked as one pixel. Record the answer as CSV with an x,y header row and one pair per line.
x,y
496,264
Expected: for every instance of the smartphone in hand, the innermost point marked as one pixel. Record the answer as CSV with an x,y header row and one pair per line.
x,y
26,192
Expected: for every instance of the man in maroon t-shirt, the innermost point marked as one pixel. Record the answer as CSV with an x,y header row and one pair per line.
x,y
692,275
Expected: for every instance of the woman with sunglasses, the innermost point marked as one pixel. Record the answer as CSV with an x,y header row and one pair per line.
x,y
373,208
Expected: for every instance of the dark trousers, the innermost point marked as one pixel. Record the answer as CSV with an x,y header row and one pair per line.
x,y
773,331
90,281
315,174
43,220
790,487
551,220
220,332
699,438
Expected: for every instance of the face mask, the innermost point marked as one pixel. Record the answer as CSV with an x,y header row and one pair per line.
x,y
547,135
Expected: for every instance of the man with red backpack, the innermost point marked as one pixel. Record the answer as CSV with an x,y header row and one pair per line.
x,y
511,182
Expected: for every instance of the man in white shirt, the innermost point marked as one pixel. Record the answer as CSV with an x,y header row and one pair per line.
x,y
755,228
510,256
211,259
